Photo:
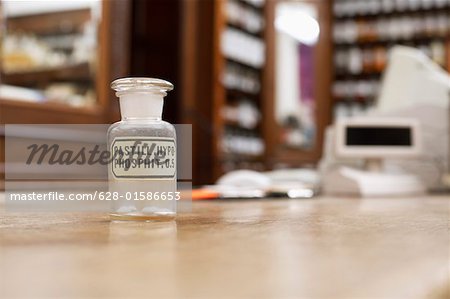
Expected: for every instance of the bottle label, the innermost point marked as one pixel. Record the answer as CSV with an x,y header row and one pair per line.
x,y
142,157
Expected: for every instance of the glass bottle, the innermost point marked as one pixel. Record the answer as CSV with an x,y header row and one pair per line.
x,y
142,173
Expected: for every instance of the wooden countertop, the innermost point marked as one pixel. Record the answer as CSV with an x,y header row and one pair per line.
x,y
319,248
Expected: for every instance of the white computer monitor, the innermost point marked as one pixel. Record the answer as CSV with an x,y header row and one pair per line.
x,y
377,138
410,79
413,85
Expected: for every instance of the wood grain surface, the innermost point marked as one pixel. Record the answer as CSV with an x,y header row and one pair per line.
x,y
319,248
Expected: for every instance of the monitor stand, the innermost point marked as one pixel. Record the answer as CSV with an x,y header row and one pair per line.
x,y
370,182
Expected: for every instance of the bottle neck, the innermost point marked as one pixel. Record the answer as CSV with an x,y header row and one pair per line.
x,y
141,106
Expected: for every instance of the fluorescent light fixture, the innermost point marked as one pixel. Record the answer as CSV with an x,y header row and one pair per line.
x,y
299,25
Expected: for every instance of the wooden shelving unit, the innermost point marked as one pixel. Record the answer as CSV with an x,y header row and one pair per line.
x,y
373,31
215,82
112,30
112,62
53,35
236,146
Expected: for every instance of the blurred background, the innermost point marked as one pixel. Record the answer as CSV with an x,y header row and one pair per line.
x,y
258,80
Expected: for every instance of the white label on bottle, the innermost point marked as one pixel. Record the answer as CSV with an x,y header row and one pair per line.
x,y
142,157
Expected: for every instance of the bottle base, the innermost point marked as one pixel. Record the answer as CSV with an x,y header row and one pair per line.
x,y
141,217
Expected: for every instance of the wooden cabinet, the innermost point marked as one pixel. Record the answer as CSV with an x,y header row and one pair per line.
x,y
221,78
112,62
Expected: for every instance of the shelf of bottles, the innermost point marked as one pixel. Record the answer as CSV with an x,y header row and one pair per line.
x,y
50,56
365,30
243,50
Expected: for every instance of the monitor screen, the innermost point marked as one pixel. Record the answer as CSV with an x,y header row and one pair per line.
x,y
378,136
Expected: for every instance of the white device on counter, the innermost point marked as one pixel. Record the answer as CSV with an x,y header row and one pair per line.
x,y
413,86
374,139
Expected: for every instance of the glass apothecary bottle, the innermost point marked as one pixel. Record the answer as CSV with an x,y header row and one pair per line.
x,y
142,173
